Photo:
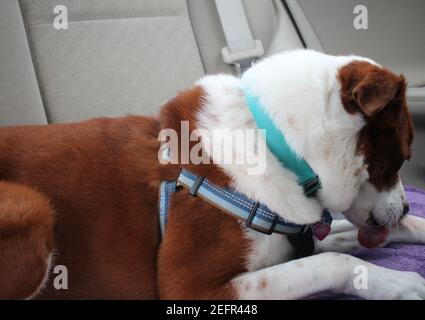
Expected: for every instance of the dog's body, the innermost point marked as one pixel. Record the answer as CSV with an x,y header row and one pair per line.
x,y
346,116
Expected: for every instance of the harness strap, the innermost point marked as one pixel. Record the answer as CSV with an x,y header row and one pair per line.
x,y
256,216
166,189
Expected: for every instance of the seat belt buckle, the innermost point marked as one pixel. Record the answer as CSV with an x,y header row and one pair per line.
x,y
242,60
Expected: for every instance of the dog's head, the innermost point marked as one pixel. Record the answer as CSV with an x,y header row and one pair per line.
x,y
384,141
348,118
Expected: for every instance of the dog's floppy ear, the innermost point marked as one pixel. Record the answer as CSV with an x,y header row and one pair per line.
x,y
376,90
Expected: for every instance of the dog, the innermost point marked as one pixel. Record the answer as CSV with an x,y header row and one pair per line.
x,y
85,196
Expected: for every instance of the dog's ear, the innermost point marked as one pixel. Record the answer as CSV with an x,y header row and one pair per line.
x,y
376,90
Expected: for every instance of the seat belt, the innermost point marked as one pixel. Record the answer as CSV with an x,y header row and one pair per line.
x,y
241,50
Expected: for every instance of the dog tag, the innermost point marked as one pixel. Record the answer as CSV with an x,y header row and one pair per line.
x,y
321,230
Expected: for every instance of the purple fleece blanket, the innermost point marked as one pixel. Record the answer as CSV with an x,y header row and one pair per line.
x,y
397,256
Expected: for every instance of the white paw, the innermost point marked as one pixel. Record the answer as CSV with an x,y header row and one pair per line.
x,y
386,284
411,229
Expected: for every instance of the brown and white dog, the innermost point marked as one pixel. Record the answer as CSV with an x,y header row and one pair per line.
x,y
85,195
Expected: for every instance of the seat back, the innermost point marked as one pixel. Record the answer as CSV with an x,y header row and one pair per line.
x,y
116,57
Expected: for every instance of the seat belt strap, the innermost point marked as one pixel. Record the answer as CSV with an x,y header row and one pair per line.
x,y
241,50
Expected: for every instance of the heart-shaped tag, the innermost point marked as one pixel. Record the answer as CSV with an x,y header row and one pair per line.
x,y
320,230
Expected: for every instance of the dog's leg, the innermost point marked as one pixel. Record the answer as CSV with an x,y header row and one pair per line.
x,y
328,271
26,240
343,237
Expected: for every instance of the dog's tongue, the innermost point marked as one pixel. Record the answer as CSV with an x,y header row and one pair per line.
x,y
371,238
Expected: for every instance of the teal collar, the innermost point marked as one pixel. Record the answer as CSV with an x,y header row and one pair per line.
x,y
278,145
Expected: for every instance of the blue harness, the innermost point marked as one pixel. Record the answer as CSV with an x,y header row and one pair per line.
x,y
256,216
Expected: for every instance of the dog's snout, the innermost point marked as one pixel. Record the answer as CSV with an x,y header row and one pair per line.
x,y
406,209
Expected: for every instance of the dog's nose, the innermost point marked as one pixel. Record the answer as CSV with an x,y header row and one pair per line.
x,y
406,209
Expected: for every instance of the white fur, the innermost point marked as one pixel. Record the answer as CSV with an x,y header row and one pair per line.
x,y
303,277
386,206
301,93
300,90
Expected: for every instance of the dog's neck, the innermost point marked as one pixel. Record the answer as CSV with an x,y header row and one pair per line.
x,y
225,108
329,151
277,144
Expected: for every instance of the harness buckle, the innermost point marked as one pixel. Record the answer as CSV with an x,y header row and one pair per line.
x,y
251,216
196,185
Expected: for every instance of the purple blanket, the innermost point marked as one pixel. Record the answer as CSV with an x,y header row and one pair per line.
x,y
397,256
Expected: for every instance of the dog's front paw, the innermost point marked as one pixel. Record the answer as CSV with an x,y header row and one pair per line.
x,y
411,229
386,284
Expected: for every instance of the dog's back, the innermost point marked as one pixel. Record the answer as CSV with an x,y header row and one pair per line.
x,y
94,177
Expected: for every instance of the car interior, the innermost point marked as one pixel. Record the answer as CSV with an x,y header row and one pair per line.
x,y
131,56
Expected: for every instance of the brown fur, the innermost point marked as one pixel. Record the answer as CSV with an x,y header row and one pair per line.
x,y
102,178
26,240
386,139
